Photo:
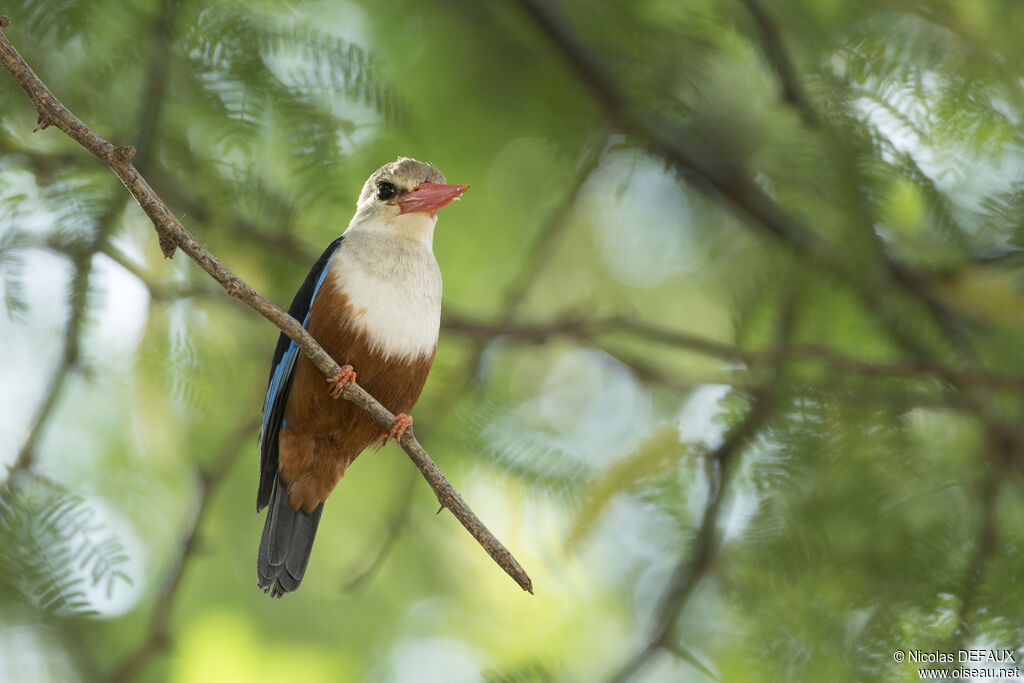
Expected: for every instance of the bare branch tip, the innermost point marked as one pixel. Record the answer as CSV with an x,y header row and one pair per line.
x,y
4,21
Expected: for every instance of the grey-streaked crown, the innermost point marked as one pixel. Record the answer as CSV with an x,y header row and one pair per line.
x,y
404,173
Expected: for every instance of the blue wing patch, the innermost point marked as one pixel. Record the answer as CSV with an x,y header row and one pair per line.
x,y
282,368
280,377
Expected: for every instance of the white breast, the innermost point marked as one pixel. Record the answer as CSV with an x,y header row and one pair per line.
x,y
394,288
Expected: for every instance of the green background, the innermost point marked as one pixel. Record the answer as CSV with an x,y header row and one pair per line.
x,y
732,357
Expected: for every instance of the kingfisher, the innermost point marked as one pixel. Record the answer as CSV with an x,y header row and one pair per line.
x,y
373,302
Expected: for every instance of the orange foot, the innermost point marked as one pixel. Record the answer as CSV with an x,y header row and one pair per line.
x,y
339,381
398,427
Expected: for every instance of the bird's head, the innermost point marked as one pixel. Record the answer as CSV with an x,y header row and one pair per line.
x,y
404,197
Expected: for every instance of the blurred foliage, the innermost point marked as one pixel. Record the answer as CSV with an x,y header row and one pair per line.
x,y
51,550
718,452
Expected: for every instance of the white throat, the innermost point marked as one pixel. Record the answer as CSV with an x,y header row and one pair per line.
x,y
393,283
413,227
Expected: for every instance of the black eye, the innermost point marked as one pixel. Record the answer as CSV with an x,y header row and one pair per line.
x,y
386,190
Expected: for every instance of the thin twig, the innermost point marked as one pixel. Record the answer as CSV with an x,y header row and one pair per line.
x,y
775,52
173,235
154,96
555,225
539,253
26,454
589,330
369,568
158,291
695,563
720,463
157,636
999,452
82,258
74,329
686,153
724,180
983,552
280,242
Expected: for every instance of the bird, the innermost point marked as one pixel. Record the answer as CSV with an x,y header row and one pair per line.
x,y
373,302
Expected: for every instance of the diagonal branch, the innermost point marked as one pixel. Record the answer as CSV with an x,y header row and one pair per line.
x,y
695,564
720,464
684,152
173,235
730,184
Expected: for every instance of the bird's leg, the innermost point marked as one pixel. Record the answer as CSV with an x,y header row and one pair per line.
x,y
339,381
398,427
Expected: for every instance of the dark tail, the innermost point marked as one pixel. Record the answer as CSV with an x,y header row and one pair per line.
x,y
286,543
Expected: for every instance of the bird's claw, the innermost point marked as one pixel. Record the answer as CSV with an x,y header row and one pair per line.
x,y
340,381
398,427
